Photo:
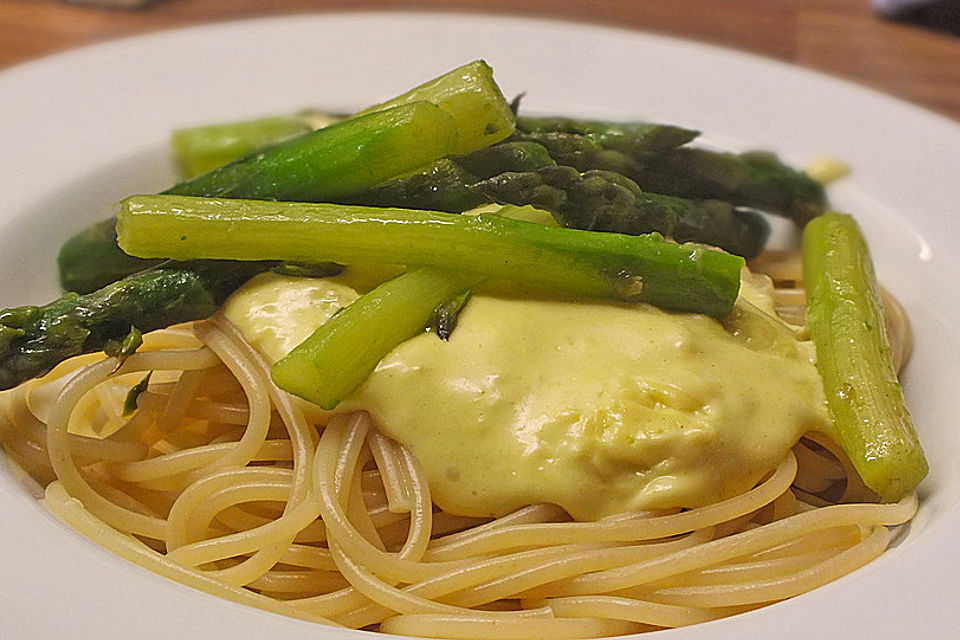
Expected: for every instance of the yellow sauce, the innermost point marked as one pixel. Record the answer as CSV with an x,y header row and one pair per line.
x,y
276,313
600,408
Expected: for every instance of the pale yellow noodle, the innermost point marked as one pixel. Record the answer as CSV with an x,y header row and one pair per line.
x,y
179,399
198,409
270,540
470,576
737,545
529,579
357,513
299,583
347,433
815,540
301,434
478,628
24,425
58,442
299,555
421,509
252,380
753,571
196,507
72,512
181,462
352,434
616,608
394,480
769,590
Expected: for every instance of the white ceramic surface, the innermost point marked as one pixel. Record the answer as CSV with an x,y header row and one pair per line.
x,y
80,130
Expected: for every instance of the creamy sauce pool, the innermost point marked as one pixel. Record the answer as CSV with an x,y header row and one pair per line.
x,y
600,408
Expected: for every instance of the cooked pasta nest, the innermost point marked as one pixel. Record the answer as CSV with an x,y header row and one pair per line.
x,y
226,484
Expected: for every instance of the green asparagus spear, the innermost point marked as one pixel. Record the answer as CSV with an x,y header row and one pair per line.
x,y
637,268
506,156
472,98
343,352
468,93
444,185
35,339
583,153
845,318
607,201
447,184
339,160
642,152
756,179
628,137
91,259
459,112
202,149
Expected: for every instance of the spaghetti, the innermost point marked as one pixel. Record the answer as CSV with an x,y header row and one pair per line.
x,y
226,484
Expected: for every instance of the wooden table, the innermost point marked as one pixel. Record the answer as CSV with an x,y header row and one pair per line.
x,y
841,37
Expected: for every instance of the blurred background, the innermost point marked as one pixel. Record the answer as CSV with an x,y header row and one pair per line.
x,y
908,48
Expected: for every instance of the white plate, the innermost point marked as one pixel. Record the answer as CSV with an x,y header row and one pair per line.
x,y
82,129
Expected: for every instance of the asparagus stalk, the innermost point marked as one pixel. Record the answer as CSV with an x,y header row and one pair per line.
x,y
506,156
756,179
584,153
468,93
628,137
568,261
338,160
344,351
607,201
91,259
471,97
35,339
444,185
456,113
845,318
202,149
448,183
